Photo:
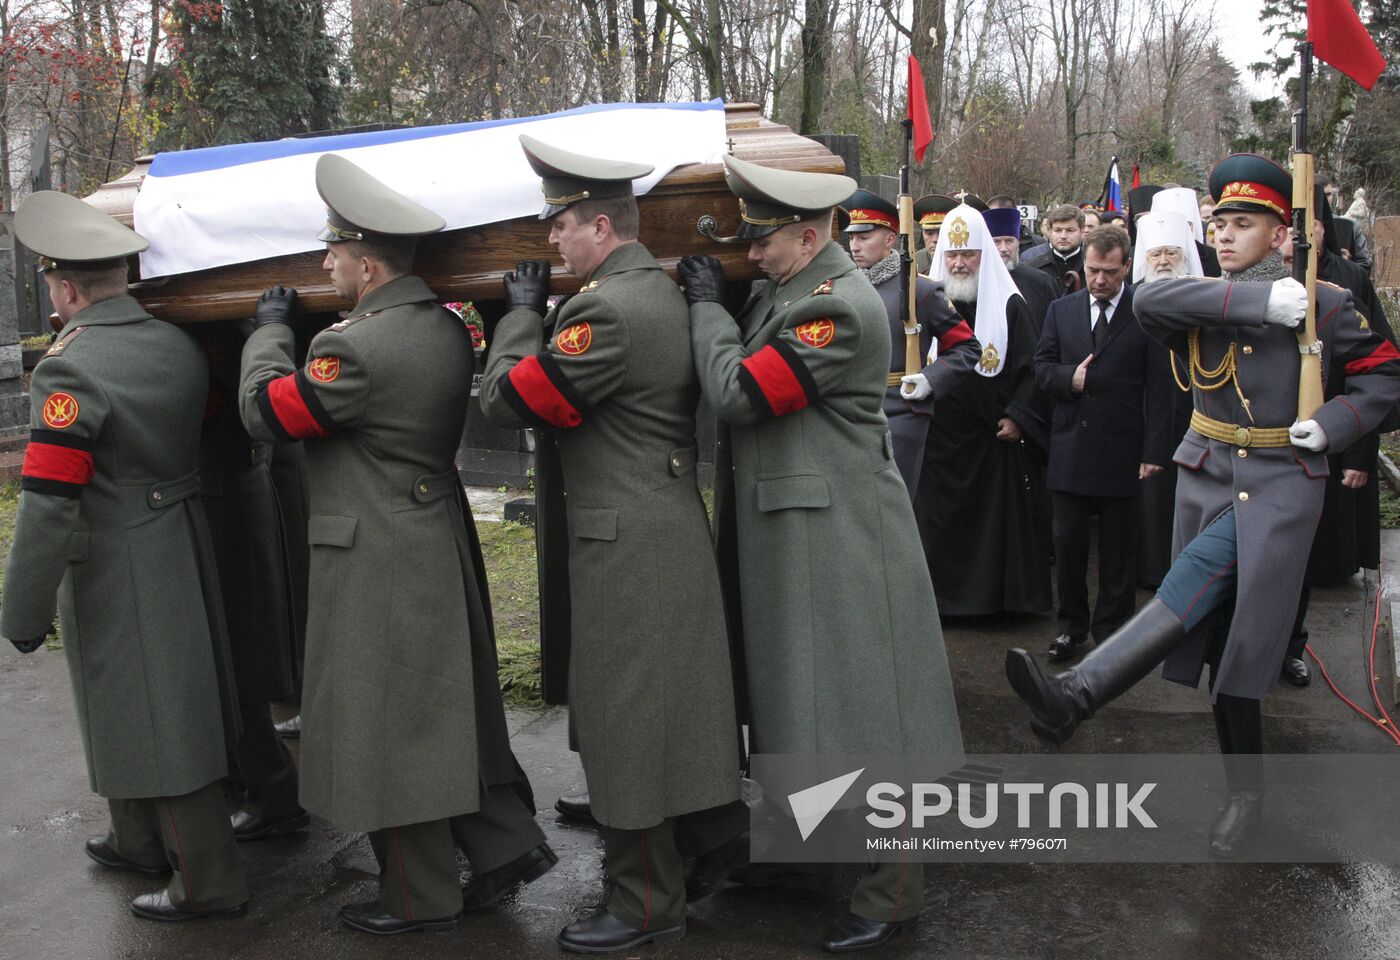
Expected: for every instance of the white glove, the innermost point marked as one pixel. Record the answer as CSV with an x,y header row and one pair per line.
x,y
1309,435
915,386
1288,301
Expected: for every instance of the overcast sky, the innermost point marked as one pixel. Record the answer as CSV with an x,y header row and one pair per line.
x,y
1243,40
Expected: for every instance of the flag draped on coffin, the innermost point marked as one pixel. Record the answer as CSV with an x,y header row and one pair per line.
x,y
224,205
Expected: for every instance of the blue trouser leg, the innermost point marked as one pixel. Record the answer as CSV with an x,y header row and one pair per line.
x,y
1203,575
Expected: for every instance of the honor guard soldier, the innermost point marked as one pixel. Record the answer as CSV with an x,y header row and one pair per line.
x,y
109,523
872,233
840,630
608,381
1250,489
930,211
404,733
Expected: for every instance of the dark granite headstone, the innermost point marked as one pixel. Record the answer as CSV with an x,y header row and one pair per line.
x,y
14,402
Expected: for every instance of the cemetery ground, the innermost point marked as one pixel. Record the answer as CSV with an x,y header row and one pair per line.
x,y
56,905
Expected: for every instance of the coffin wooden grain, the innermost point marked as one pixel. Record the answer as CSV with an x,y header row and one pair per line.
x,y
467,264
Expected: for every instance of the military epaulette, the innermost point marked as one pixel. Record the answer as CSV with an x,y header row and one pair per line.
x,y
62,342
338,327
826,286
592,285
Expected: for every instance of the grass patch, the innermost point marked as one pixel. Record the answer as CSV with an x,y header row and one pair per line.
x,y
1390,500
509,552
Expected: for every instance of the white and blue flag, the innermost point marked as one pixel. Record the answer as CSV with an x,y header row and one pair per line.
x,y
224,205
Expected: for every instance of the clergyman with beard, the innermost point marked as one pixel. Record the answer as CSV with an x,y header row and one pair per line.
x,y
1166,250
974,502
945,341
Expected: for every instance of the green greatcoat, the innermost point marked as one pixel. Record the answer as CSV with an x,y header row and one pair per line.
x,y
614,392
402,720
253,533
843,648
124,550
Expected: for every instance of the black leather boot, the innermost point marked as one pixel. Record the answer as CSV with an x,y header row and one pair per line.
x,y
1237,724
1061,701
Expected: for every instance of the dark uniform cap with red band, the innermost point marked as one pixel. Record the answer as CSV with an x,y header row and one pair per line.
x,y
360,207
567,177
1249,183
770,198
931,209
865,211
66,233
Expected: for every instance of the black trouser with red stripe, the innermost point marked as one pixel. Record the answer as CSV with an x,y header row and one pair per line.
x,y
645,866
191,834
418,861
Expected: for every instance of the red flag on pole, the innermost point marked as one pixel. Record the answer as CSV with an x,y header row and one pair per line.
x,y
1338,36
918,110
1137,180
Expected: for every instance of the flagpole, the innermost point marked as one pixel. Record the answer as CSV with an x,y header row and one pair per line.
x,y
908,300
1304,248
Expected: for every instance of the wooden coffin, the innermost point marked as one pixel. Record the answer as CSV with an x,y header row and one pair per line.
x,y
467,264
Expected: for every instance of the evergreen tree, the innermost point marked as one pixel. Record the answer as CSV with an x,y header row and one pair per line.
x,y
245,70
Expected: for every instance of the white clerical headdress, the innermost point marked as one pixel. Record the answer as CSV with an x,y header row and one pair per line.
x,y
964,229
1182,200
1165,229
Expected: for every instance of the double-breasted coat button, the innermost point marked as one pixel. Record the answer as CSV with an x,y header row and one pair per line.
x,y
1244,495
1248,348
156,495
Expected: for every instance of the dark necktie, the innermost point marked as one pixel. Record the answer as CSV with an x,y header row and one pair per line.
x,y
1101,327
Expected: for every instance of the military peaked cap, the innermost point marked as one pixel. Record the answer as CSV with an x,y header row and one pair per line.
x,y
770,198
866,211
359,207
567,177
1249,183
930,210
67,233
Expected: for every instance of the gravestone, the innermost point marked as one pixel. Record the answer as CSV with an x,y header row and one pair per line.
x,y
14,402
32,293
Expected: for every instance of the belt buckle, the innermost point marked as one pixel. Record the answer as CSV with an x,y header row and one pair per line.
x,y
1242,438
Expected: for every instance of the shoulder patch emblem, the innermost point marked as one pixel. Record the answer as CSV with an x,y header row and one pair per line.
x,y
824,287
816,333
61,411
324,369
575,339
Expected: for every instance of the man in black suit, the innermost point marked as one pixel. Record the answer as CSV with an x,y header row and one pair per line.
x,y
1110,388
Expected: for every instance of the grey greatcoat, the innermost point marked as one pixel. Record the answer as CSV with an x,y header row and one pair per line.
x,y
958,351
109,521
1276,492
841,637
613,395
401,709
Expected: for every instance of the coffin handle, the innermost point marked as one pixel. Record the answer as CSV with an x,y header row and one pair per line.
x,y
706,225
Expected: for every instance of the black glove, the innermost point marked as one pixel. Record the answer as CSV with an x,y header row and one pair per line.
x,y
703,279
527,286
29,646
276,305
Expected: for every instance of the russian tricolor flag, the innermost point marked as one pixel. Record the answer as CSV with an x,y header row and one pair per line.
x,y
1113,188
225,205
